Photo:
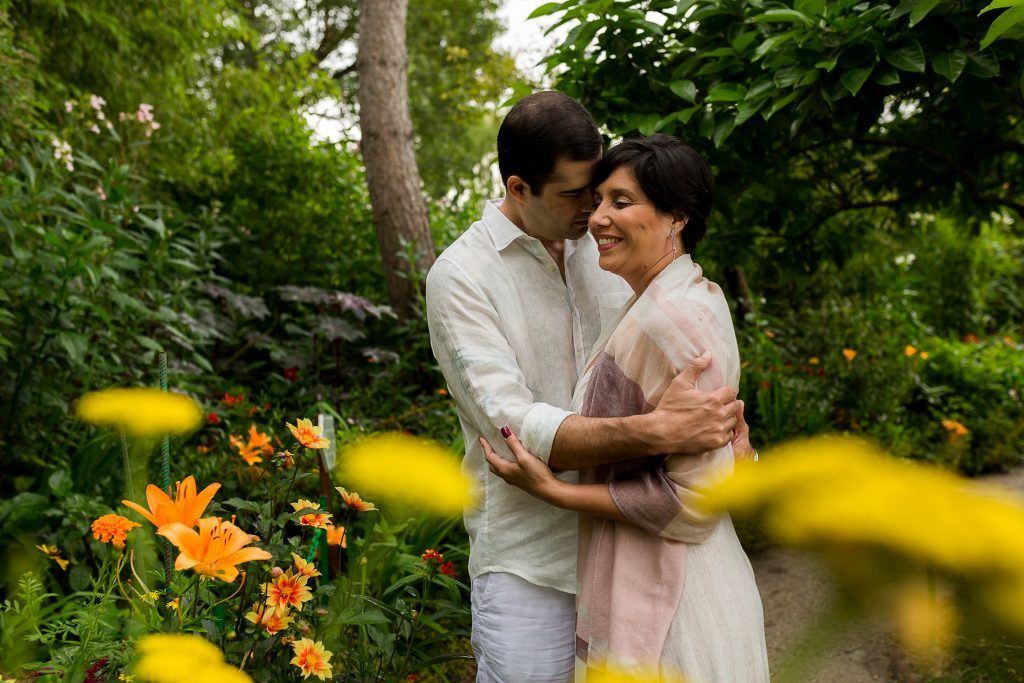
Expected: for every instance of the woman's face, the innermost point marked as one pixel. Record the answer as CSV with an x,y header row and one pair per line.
x,y
633,237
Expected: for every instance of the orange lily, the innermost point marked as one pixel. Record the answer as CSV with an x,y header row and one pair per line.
x,y
214,550
187,507
259,444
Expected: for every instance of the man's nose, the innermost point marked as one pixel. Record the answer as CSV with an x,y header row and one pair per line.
x,y
586,201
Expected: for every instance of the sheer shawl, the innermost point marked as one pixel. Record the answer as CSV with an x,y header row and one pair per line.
x,y
631,576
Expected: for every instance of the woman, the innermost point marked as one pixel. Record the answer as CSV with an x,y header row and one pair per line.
x,y
661,585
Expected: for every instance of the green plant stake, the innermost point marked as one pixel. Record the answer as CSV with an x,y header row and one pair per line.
x,y
165,475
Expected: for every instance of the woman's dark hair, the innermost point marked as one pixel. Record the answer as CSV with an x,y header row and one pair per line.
x,y
672,175
538,130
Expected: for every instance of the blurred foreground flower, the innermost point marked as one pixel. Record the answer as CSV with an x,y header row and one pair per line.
x,y
619,674
112,529
215,550
876,519
187,506
140,411
408,470
174,658
306,434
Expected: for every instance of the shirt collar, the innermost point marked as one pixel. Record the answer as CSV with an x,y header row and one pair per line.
x,y
504,232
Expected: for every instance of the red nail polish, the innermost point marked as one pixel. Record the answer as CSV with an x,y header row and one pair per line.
x,y
506,432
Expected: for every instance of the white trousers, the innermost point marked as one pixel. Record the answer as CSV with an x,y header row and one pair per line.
x,y
522,633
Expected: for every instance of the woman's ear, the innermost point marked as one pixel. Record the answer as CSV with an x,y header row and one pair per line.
x,y
679,220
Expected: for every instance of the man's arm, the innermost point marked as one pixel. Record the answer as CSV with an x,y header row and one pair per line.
x,y
686,420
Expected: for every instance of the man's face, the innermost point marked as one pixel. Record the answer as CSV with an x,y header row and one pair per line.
x,y
561,210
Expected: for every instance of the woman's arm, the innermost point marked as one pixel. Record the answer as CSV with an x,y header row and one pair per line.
x,y
533,476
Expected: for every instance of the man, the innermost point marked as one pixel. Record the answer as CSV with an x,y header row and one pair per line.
x,y
514,306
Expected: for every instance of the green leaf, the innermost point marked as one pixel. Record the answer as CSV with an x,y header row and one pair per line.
x,y
685,89
982,65
887,76
1003,23
810,8
150,344
950,64
706,127
545,9
722,131
828,64
74,344
1022,83
773,42
908,58
726,92
685,115
1001,4
921,10
683,6
779,104
782,15
854,79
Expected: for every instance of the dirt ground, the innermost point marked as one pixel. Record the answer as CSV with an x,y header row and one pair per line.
x,y
793,590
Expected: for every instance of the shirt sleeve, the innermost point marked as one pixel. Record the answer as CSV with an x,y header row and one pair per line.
x,y
483,374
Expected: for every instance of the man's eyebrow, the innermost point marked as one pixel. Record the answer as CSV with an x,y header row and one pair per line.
x,y
576,190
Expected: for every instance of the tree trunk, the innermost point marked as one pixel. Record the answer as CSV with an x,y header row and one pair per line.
x,y
399,209
736,281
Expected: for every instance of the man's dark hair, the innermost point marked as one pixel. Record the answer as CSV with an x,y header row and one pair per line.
x,y
538,130
672,175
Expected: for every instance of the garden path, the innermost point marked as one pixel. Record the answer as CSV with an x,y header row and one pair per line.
x,y
793,590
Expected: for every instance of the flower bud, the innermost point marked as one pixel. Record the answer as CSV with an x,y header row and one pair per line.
x,y
276,572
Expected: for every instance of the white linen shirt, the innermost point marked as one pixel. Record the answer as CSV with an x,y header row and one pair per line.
x,y
511,339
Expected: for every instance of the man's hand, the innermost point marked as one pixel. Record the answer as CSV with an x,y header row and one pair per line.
x,y
687,420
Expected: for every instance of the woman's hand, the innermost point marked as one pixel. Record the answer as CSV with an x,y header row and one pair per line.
x,y
526,471
741,448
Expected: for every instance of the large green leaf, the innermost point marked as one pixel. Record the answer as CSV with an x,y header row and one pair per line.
x,y
921,9
854,79
685,89
908,58
783,15
1001,4
546,9
726,92
1003,23
950,64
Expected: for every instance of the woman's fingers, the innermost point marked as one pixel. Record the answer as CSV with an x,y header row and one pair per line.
x,y
497,464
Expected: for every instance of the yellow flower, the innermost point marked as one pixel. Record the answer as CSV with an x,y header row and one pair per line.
x,y
127,678
923,355
813,360
849,354
847,499
113,529
925,620
53,552
302,504
909,350
141,412
354,501
409,470
306,434
181,658
305,568
272,619
336,535
259,444
215,550
316,519
618,674
312,658
186,508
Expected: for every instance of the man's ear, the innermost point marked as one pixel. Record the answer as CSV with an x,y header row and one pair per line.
x,y
517,188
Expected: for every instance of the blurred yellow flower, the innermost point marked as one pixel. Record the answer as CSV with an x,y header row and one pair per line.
x,y
909,350
619,674
813,360
923,355
183,658
925,620
849,354
215,550
306,434
112,529
53,552
312,658
187,506
847,499
140,411
408,470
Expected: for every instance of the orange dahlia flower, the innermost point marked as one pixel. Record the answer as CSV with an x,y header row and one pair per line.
x,y
304,568
312,658
215,550
306,434
287,591
354,501
270,619
186,508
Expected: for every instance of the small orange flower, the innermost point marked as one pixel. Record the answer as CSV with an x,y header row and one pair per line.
x,y
304,568
287,590
312,658
769,334
923,355
1008,340
186,508
336,536
354,501
53,552
306,434
909,350
813,360
442,392
271,619
955,428
849,354
259,444
113,529
215,550
318,519
970,338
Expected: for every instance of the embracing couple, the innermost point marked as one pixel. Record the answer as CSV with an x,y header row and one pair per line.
x,y
595,370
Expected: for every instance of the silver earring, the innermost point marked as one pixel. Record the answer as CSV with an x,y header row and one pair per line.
x,y
672,238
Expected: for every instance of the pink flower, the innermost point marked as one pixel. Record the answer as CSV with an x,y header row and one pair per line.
x,y
145,113
123,116
102,194
96,102
69,105
95,129
135,209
